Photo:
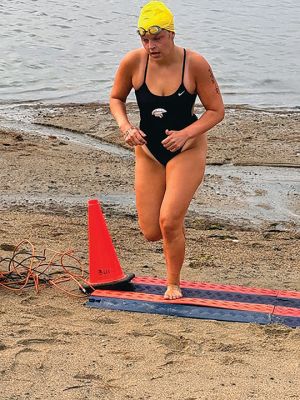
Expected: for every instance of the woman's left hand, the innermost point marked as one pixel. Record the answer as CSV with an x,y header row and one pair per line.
x,y
175,140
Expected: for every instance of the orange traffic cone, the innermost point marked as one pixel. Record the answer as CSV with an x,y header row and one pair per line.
x,y
104,266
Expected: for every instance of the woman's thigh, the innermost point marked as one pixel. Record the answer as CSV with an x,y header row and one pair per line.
x,y
184,174
150,185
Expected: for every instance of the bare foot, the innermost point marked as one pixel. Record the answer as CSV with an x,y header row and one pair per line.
x,y
173,292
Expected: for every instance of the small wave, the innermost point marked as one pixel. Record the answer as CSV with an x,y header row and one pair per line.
x,y
268,81
62,26
264,108
258,92
96,18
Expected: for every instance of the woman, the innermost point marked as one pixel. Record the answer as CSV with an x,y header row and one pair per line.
x,y
170,144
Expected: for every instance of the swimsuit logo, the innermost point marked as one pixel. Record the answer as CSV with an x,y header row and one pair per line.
x,y
181,93
159,112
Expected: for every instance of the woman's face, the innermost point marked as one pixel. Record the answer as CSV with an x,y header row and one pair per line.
x,y
158,46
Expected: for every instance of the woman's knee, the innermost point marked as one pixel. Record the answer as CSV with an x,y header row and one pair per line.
x,y
151,233
170,225
152,236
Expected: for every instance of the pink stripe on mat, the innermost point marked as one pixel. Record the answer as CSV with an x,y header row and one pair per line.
x,y
229,305
222,288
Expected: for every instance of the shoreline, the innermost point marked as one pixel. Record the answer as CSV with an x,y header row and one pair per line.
x,y
228,106
91,126
253,130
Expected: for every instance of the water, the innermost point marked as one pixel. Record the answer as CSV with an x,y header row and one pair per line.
x,y
61,51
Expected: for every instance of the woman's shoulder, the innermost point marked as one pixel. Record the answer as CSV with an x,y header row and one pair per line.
x,y
196,58
198,65
133,56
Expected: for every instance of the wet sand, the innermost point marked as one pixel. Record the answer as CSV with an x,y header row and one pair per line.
x,y
52,346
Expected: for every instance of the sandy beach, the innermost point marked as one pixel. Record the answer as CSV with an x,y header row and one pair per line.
x,y
243,228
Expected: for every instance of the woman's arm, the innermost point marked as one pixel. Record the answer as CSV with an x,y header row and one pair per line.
x,y
121,89
210,96
209,93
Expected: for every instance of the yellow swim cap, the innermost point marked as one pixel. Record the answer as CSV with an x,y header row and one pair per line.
x,y
156,13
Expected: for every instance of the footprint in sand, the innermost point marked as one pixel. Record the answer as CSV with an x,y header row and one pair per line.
x,y
48,311
231,360
173,342
2,346
30,341
107,321
28,359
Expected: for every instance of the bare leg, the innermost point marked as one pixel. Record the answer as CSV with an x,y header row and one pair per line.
x,y
162,199
184,173
150,185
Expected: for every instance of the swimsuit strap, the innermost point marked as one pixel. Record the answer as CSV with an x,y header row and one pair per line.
x,y
183,65
146,69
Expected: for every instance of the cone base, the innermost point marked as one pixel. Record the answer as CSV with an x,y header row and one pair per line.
x,y
118,284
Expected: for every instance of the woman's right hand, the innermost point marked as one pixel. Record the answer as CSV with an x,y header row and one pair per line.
x,y
134,136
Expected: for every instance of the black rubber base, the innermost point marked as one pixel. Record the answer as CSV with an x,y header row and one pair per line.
x,y
115,285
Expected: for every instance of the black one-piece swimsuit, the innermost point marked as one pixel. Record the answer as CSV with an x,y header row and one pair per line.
x,y
158,113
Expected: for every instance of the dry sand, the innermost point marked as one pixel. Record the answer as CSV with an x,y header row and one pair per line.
x,y
53,347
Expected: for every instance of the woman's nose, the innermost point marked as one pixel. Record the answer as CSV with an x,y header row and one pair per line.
x,y
151,44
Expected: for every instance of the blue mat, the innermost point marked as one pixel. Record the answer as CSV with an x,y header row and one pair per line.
x,y
139,295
